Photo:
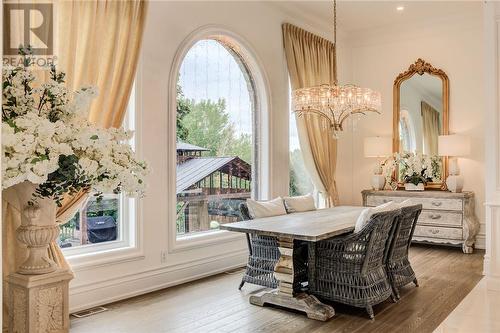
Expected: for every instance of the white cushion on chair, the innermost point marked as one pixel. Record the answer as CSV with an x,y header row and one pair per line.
x,y
258,209
367,213
405,203
301,203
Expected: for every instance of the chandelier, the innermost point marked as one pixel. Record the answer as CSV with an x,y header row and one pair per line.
x,y
335,102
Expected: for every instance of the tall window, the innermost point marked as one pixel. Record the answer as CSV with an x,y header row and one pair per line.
x,y
300,183
106,222
215,136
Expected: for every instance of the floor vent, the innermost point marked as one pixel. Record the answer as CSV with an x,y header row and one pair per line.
x,y
89,312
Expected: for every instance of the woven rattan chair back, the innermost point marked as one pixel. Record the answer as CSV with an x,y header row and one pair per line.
x,y
398,264
351,269
403,235
263,256
379,237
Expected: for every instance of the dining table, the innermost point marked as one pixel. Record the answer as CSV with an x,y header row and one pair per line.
x,y
310,226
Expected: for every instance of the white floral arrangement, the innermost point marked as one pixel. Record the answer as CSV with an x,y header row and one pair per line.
x,y
47,140
413,168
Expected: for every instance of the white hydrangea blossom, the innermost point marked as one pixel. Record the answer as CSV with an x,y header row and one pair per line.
x,y
45,130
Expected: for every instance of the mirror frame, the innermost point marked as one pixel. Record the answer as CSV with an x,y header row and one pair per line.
x,y
420,67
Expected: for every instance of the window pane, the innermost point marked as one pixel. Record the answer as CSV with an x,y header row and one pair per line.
x,y
300,183
96,222
101,222
215,122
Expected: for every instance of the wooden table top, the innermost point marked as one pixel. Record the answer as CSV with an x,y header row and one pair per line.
x,y
309,226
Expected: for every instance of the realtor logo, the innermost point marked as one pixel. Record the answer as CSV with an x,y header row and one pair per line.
x,y
28,24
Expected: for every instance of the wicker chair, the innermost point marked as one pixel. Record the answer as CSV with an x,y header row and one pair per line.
x,y
398,265
263,256
351,269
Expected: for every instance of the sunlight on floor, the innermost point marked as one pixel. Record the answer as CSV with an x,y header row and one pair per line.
x,y
478,312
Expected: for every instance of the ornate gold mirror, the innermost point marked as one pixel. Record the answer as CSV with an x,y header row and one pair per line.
x,y
421,106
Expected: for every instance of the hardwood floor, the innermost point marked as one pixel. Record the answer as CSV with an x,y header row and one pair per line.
x,y
214,304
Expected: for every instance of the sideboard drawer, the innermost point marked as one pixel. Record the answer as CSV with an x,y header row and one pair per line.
x,y
427,203
440,218
438,232
375,200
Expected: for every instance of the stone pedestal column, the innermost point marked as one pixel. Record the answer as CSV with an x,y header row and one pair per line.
x,y
39,303
38,291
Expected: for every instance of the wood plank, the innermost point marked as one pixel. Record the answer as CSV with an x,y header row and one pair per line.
x,y
214,304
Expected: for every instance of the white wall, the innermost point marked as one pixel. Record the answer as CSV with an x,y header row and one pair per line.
x,y
168,25
378,56
492,143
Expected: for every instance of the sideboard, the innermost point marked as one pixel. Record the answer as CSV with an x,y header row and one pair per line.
x,y
447,218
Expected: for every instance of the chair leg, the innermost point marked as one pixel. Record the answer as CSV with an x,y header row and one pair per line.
x,y
416,282
398,295
369,309
241,285
394,298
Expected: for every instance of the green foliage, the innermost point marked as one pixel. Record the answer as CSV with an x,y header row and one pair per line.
x,y
181,216
208,125
68,178
183,109
300,182
240,146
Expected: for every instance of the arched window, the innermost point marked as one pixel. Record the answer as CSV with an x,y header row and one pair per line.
x,y
216,135
406,132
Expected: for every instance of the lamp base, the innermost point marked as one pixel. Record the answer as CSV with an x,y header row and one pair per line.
x,y
378,182
455,183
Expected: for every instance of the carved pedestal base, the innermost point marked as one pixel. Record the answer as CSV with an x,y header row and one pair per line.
x,y
285,295
300,302
39,303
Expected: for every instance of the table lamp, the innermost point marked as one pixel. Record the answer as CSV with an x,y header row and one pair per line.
x,y
379,147
454,146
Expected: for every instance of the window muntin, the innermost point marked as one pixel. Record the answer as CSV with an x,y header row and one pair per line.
x,y
216,136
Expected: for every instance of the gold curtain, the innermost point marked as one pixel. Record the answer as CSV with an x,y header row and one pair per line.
x,y
311,62
430,128
96,43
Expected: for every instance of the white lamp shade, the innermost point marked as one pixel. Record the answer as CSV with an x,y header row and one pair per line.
x,y
454,145
378,146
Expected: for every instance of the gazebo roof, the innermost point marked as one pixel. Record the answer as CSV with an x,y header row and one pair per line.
x,y
184,146
194,170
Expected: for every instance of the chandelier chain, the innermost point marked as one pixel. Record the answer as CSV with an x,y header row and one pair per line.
x,y
335,103
335,23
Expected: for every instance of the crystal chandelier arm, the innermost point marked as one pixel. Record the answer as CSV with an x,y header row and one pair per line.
x,y
319,113
363,112
332,114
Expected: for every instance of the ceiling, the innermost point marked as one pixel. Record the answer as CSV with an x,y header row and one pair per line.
x,y
354,16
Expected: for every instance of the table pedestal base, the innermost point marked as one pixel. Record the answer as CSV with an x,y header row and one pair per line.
x,y
285,296
301,302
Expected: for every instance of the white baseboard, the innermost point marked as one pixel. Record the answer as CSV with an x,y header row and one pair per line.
x,y
109,291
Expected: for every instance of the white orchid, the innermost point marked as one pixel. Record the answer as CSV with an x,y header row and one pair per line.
x,y
412,168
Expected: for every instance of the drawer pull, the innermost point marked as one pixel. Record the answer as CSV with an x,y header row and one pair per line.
x,y
435,216
437,203
434,231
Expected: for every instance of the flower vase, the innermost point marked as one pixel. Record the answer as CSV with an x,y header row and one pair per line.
x,y
38,229
413,187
